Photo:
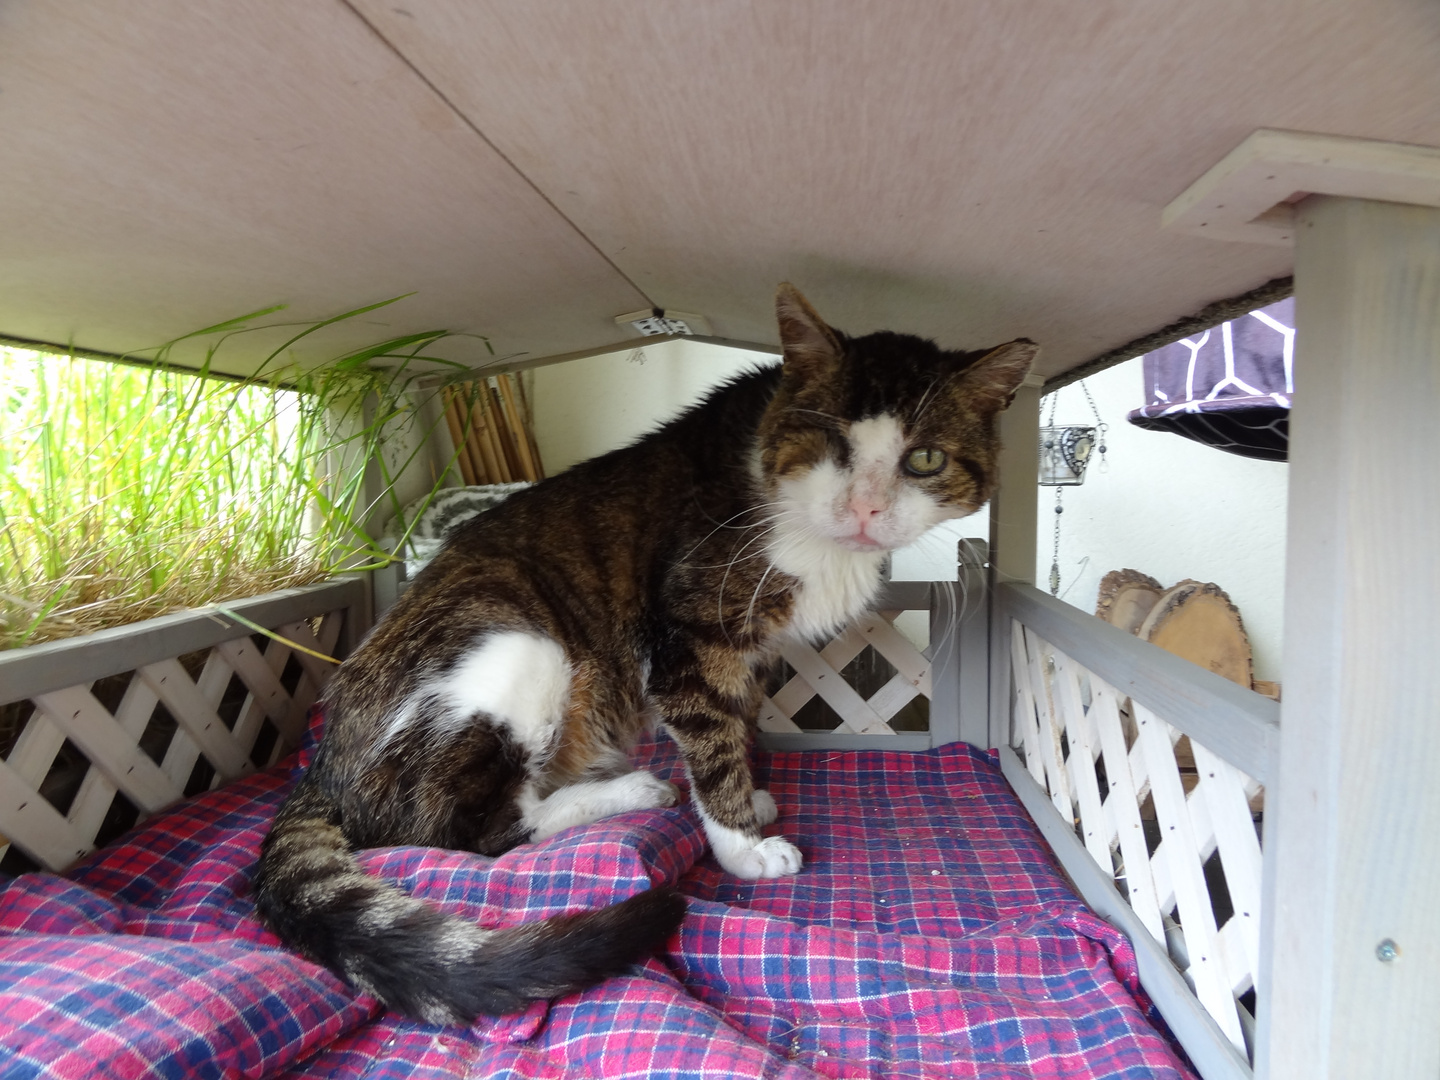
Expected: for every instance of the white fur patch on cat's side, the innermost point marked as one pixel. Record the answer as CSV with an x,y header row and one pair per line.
x,y
746,857
518,679
580,804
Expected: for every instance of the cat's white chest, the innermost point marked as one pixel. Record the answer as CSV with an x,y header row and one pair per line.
x,y
835,585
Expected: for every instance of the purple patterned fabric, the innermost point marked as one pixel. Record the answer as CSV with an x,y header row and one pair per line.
x,y
929,935
1229,387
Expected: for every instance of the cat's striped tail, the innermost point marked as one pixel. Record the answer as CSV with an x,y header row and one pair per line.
x,y
413,957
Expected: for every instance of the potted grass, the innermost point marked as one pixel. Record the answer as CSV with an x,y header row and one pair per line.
x,y
182,560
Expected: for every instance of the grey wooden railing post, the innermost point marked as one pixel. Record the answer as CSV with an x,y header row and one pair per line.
x,y
1351,983
1012,535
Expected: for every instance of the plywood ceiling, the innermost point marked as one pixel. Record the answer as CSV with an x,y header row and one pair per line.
x,y
529,170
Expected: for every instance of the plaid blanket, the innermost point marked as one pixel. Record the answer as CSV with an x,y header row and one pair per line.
x,y
929,935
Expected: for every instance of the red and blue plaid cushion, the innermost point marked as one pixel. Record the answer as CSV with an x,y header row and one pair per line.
x,y
929,935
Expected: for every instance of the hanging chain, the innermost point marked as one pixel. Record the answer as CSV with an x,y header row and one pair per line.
x,y
1055,555
1100,426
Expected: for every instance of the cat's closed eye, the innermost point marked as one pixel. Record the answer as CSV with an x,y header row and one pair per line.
x,y
924,461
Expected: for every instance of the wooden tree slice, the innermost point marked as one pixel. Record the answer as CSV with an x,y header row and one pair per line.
x,y
1196,620
1269,689
1126,598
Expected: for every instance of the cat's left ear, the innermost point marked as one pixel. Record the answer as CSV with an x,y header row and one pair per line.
x,y
811,348
992,380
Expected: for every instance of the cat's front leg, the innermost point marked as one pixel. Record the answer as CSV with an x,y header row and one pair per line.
x,y
713,743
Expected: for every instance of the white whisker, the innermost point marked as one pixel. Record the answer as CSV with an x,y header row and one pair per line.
x,y
722,525
930,394
832,421
750,609
758,537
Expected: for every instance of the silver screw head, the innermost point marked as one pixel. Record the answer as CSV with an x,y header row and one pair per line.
x,y
1387,951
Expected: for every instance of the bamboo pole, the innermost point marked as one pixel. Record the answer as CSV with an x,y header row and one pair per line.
x,y
494,430
504,434
457,437
519,428
484,438
529,418
467,426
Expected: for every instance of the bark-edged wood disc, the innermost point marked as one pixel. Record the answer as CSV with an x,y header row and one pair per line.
x,y
1268,689
1197,621
1126,598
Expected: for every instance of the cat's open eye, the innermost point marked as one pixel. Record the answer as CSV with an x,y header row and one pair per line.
x,y
924,461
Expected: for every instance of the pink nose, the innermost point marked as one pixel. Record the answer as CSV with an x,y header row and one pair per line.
x,y
865,509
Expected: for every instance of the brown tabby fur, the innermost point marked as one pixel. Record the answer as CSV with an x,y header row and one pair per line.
x,y
651,567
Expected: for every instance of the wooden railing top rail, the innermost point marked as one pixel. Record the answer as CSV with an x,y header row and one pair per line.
x,y
56,665
1238,724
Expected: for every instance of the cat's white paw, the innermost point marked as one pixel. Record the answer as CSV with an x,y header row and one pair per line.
x,y
772,857
580,804
765,808
646,791
747,855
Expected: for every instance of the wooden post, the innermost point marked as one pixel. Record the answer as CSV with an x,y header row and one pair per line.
x,y
947,722
1012,534
972,635
1350,980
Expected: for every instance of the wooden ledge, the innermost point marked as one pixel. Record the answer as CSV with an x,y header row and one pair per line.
x,y
1249,195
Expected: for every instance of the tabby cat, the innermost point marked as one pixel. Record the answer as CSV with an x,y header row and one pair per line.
x,y
496,701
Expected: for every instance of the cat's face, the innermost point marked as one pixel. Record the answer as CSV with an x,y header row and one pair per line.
x,y
871,441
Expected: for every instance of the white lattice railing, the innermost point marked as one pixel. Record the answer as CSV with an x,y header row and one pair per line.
x,y
1141,769
955,614
819,672
237,702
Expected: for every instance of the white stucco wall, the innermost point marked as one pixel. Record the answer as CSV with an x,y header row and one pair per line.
x,y
1171,508
588,407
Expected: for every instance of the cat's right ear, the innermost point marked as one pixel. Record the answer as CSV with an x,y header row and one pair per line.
x,y
992,380
811,348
